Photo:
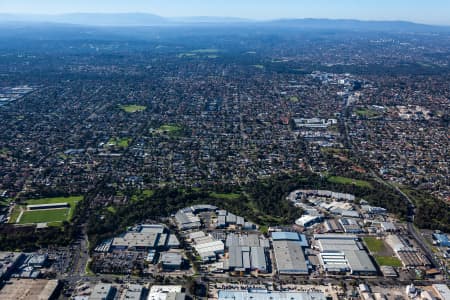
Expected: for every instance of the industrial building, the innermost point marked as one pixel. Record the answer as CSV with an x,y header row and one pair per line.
x,y
332,225
247,259
246,240
373,210
289,253
9,261
144,238
262,294
30,289
290,258
291,236
441,239
442,291
388,227
103,291
138,241
206,246
350,225
299,194
166,292
171,261
133,292
309,220
314,122
226,219
202,208
37,261
186,220
343,253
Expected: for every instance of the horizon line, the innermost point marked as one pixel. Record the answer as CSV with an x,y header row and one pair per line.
x,y
224,17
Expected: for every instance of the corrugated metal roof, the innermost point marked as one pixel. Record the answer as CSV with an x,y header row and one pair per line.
x,y
289,257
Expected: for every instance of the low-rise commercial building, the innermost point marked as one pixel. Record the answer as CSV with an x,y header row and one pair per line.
x,y
171,261
133,292
103,291
166,292
262,294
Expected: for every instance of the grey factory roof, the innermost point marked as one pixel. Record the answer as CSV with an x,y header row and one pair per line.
x,y
353,253
249,240
289,257
203,207
133,292
169,258
173,241
231,218
258,258
359,261
335,236
102,291
139,239
290,236
38,259
187,220
247,258
152,228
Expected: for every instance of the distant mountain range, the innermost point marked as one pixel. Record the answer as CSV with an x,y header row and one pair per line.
x,y
143,19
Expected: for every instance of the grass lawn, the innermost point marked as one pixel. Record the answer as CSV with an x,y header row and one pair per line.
x,y
4,201
148,193
122,143
170,129
14,214
365,112
227,196
52,216
111,209
294,99
375,245
345,180
133,108
388,261
44,216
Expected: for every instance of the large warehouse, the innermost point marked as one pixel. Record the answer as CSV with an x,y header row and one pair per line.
x,y
144,238
246,259
344,253
206,246
186,219
289,255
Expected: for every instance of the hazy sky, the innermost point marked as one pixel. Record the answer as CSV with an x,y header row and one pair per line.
x,y
425,11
